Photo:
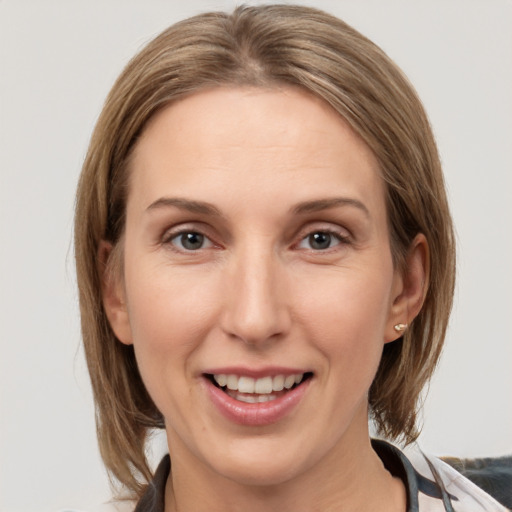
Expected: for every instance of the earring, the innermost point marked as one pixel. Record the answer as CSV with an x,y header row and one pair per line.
x,y
400,327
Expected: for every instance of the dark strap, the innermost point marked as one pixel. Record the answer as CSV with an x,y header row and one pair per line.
x,y
153,498
400,466
446,498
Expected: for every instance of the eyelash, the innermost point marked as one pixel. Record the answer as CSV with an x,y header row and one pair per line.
x,y
169,237
331,234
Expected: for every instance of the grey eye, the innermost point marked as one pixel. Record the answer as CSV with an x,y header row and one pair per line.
x,y
190,241
320,240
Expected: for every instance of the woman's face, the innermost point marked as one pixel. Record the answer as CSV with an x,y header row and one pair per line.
x,y
256,257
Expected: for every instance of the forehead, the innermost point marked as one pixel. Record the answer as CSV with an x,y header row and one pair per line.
x,y
276,142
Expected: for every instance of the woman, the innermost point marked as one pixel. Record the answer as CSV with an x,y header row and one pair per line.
x,y
265,257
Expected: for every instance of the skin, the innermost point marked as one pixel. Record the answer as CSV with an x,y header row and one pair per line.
x,y
258,293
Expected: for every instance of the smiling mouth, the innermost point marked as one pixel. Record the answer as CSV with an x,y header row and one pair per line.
x,y
252,391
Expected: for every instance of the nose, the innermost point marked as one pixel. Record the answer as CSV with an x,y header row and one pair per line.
x,y
256,307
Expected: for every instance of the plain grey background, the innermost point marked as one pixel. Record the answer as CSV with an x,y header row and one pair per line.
x,y
58,60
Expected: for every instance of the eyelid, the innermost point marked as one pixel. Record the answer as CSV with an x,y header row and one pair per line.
x,y
207,243
343,235
171,233
339,232
324,227
170,230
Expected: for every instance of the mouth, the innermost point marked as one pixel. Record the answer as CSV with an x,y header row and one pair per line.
x,y
257,390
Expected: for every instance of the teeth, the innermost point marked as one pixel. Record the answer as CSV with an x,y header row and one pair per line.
x,y
262,387
289,381
251,399
232,382
278,383
221,380
246,385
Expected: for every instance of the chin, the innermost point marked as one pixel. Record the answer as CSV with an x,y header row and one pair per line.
x,y
261,475
262,464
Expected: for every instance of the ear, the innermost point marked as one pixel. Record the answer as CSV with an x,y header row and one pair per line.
x,y
410,286
113,292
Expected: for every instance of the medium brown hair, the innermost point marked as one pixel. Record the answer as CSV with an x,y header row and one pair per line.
x,y
263,46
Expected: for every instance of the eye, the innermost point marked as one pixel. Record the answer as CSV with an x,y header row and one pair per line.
x,y
321,240
189,241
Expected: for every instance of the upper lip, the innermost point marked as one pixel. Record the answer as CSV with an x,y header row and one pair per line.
x,y
255,373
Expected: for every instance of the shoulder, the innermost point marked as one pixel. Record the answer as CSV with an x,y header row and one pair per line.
x,y
492,474
434,486
465,496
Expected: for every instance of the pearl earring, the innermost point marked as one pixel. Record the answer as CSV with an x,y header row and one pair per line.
x,y
400,327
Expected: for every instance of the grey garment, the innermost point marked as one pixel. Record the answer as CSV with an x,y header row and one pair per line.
x,y
493,474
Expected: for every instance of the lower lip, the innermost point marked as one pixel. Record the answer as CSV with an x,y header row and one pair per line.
x,y
259,414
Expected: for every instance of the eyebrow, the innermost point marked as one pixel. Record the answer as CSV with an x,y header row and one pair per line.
x,y
205,208
185,204
325,204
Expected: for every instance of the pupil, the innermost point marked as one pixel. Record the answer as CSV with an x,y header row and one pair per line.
x,y
192,241
320,240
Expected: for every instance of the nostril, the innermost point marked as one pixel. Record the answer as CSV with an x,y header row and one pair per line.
x,y
254,309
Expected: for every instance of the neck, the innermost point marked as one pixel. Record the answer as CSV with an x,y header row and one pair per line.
x,y
340,481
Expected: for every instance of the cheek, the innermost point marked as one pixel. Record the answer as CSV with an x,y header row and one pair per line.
x,y
166,306
170,313
345,313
